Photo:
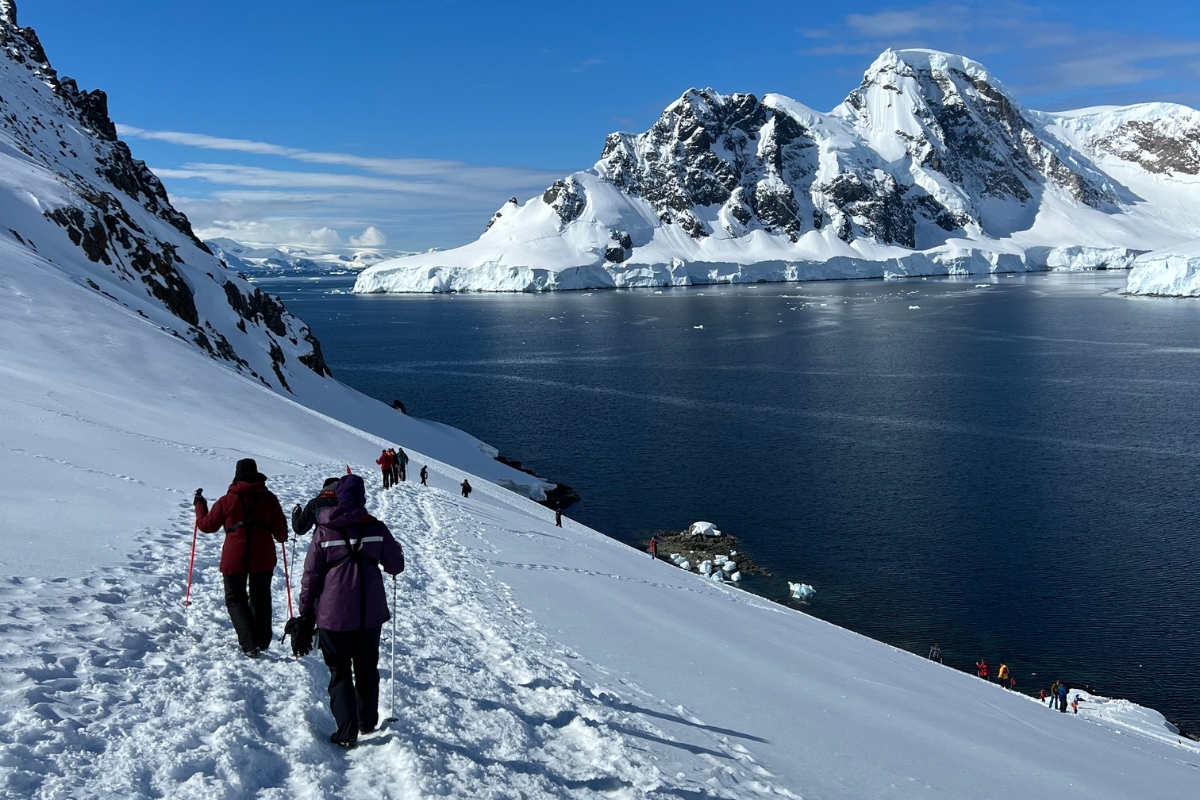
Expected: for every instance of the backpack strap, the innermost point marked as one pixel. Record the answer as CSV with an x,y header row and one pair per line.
x,y
354,553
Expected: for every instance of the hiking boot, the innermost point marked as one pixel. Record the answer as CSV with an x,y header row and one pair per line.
x,y
252,652
350,745
365,729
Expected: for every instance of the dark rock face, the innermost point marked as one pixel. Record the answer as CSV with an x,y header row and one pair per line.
x,y
566,199
1155,150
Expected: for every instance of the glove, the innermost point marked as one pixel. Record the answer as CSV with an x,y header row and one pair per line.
x,y
301,629
199,498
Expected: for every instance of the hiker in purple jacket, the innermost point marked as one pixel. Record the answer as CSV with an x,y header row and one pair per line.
x,y
343,597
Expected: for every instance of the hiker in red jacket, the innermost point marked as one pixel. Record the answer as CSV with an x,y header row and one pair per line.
x,y
253,522
653,547
981,669
386,461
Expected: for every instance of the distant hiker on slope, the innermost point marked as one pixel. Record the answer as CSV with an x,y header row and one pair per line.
x,y
981,669
1062,697
1053,694
386,462
935,653
1002,675
424,475
303,519
401,464
253,522
343,598
653,547
466,488
558,517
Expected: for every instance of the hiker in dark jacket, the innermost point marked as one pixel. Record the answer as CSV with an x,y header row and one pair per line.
x,y
424,475
303,519
401,463
466,488
253,522
386,461
344,598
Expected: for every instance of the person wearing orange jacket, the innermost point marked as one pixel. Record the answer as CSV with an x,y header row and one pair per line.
x,y
1002,675
253,522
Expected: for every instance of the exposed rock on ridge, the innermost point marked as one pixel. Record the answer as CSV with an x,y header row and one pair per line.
x,y
65,164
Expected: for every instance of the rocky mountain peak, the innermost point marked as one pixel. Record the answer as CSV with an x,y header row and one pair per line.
x,y
103,217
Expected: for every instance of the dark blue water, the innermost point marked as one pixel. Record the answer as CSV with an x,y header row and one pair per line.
x,y
1009,471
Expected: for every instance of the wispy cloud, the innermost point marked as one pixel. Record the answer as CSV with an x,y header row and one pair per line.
x,y
413,203
1061,63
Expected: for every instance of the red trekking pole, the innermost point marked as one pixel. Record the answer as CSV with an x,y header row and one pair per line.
x,y
187,598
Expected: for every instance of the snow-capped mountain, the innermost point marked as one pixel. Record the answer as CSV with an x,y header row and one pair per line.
x,y
930,166
285,260
72,193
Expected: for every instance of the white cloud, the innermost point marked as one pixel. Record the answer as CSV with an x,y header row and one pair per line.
x,y
371,237
414,203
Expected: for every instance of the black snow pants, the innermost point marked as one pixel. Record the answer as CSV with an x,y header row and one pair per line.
x,y
387,479
250,613
353,661
396,473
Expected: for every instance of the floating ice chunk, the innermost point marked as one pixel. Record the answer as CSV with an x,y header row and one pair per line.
x,y
801,591
717,576
720,559
703,529
729,566
735,577
982,285
732,553
659,291
698,327
910,308
685,565
705,567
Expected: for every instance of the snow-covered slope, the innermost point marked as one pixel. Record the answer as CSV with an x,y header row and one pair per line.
x,y
284,260
532,661
74,199
930,166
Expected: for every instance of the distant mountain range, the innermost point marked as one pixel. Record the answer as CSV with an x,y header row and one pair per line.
x,y
285,260
929,167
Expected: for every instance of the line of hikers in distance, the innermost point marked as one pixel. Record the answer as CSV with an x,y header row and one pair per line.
x,y
1059,690
393,464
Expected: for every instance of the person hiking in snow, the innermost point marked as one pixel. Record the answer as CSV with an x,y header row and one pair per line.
x,y
935,653
395,466
653,547
385,463
401,464
253,522
1062,697
981,669
1002,675
1041,695
558,517
303,519
342,600
424,475
1053,694
466,488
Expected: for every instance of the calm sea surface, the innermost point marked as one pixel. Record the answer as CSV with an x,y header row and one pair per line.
x,y
1010,471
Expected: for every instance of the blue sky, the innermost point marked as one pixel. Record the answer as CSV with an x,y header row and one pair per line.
x,y
406,124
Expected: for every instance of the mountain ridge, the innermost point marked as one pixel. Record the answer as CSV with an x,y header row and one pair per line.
x,y
930,166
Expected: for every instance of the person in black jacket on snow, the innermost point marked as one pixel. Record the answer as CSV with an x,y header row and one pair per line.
x,y
303,519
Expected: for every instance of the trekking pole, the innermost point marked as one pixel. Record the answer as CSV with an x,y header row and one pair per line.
x,y
187,597
392,716
287,581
